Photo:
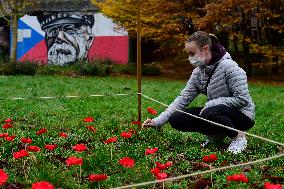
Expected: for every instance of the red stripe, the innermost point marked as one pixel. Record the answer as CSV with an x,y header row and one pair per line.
x,y
114,48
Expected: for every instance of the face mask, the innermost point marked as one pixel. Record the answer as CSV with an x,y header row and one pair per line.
x,y
196,61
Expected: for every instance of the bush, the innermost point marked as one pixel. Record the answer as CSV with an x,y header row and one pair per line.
x,y
147,70
15,68
26,68
151,70
70,70
125,69
83,67
95,67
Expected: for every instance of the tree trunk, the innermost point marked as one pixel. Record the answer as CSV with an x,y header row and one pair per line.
x,y
246,55
14,39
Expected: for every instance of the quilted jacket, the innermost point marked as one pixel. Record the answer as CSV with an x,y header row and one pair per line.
x,y
228,86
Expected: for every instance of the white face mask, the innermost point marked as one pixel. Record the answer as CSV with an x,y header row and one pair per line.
x,y
196,61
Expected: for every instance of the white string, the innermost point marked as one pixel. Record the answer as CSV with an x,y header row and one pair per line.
x,y
211,170
218,124
68,96
202,172
182,176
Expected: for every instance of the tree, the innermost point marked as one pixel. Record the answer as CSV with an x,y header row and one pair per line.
x,y
165,22
256,24
13,9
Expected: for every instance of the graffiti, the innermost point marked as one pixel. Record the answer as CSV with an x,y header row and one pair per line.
x,y
63,38
68,36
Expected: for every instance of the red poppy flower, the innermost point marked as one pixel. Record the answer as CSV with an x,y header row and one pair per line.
x,y
20,154
161,176
97,177
9,120
3,177
126,135
268,185
149,151
42,185
155,170
210,158
89,119
41,131
26,140
10,138
136,122
7,126
63,135
74,161
152,111
238,178
79,147
33,148
3,135
127,162
164,166
50,146
91,128
110,140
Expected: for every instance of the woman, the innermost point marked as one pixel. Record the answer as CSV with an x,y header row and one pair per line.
x,y
228,100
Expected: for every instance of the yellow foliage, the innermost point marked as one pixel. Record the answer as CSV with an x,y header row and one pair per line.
x,y
166,22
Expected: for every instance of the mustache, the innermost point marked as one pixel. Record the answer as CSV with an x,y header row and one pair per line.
x,y
61,53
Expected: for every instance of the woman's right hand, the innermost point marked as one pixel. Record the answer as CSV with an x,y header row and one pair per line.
x,y
148,123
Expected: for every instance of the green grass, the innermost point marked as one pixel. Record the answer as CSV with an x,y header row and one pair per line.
x,y
114,115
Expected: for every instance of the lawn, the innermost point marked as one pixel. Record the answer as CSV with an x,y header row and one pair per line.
x,y
113,115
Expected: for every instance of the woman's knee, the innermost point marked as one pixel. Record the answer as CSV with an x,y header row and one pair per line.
x,y
214,111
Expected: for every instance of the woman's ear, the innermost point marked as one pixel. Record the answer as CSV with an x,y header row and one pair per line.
x,y
205,48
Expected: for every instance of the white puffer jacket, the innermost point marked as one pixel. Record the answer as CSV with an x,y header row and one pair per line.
x,y
228,86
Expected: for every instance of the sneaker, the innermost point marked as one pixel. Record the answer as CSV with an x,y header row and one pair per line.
x,y
238,145
207,141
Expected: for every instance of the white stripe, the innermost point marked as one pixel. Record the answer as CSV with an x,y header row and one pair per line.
x,y
16,98
32,22
72,96
47,97
98,95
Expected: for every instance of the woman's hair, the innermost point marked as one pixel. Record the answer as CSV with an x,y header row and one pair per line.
x,y
202,38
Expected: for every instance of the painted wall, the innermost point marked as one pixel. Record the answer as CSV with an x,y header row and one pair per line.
x,y
62,38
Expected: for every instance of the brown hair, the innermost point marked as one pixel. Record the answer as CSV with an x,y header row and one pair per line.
x,y
202,38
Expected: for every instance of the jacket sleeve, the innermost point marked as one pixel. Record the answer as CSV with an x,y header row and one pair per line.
x,y
237,82
186,96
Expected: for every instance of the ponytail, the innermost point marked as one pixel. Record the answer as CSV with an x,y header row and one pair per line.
x,y
214,39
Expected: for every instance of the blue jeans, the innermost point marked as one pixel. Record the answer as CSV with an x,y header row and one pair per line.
x,y
221,114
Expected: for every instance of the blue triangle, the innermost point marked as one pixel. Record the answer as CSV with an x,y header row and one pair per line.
x,y
24,46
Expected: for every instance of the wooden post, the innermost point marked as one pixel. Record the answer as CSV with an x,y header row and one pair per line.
x,y
14,27
139,63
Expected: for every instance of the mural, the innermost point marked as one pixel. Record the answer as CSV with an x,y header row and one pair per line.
x,y
68,37
64,37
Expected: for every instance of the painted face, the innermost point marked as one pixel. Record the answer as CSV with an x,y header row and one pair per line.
x,y
67,43
197,55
